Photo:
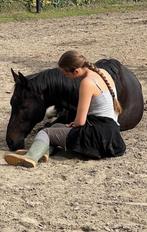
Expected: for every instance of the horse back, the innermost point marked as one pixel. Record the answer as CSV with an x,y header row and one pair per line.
x,y
129,92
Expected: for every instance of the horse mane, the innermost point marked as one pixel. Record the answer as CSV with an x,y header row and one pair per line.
x,y
55,86
38,82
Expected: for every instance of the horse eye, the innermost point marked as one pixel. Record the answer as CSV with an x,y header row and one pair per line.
x,y
24,117
24,107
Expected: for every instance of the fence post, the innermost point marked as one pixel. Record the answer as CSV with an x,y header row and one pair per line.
x,y
38,6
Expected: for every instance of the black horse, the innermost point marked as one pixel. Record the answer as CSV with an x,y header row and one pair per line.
x,y
33,94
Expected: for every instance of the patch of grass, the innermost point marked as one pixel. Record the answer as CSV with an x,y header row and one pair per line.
x,y
71,11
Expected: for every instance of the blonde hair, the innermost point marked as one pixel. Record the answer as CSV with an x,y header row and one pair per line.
x,y
71,60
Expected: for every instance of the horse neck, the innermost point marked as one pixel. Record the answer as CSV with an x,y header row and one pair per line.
x,y
62,91
56,89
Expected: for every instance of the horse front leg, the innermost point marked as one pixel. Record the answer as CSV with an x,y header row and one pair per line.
x,y
63,116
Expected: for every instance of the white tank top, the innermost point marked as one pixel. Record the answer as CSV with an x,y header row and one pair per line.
x,y
102,105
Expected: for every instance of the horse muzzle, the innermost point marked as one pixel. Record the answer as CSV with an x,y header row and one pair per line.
x,y
15,145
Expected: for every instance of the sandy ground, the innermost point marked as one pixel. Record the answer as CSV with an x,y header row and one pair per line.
x,y
69,194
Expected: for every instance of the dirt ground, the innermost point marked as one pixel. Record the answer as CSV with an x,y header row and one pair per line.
x,y
69,194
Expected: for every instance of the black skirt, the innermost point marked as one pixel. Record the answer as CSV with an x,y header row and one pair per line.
x,y
99,138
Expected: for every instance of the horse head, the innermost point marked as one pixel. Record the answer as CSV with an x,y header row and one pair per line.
x,y
27,109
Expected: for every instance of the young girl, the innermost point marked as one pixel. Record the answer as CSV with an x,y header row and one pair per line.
x,y
95,131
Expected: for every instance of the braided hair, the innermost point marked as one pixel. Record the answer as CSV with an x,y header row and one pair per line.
x,y
72,60
116,103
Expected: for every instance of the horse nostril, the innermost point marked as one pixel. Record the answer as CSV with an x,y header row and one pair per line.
x,y
14,145
10,143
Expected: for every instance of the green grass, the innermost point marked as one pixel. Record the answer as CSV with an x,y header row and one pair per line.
x,y
70,11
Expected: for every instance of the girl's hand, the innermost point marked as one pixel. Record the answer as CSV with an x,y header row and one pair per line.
x,y
70,124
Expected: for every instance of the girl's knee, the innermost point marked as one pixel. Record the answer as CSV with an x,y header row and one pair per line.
x,y
42,135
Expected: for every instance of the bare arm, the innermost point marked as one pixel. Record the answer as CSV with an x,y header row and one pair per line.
x,y
86,92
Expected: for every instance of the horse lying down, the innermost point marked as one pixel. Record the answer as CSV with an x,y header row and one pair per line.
x,y
33,94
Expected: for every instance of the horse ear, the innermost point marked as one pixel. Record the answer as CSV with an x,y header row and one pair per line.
x,y
22,79
15,76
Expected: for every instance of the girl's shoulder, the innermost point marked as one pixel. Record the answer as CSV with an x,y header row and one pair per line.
x,y
87,80
88,83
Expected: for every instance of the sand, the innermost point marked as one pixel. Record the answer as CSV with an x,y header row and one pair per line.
x,y
68,194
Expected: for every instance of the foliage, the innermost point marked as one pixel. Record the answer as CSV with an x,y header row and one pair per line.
x,y
61,3
11,5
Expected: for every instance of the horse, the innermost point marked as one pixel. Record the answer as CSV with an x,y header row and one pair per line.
x,y
34,93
